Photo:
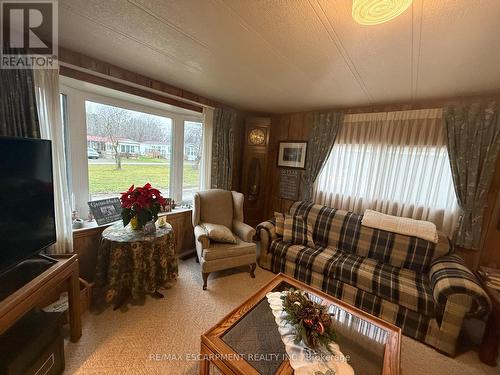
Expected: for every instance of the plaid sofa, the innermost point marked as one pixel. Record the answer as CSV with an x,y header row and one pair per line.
x,y
417,285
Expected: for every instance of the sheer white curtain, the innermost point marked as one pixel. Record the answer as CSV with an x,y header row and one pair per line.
x,y
206,158
49,115
391,162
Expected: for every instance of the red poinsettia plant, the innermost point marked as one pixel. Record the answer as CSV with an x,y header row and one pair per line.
x,y
141,204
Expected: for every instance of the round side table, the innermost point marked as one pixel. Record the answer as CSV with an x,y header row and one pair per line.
x,y
133,263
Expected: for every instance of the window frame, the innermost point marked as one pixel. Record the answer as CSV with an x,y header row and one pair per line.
x,y
185,154
77,129
431,150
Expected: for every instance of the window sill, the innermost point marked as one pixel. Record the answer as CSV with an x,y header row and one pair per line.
x,y
92,225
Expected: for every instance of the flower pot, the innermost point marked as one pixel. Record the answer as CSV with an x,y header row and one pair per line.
x,y
138,222
150,227
134,223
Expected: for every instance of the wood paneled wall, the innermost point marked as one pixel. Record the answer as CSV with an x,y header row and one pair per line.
x,y
296,126
283,127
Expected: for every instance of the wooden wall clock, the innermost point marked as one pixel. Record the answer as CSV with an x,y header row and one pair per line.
x,y
254,167
257,136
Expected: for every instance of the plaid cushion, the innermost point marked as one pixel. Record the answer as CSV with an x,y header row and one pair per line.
x,y
450,276
412,323
297,231
343,230
401,286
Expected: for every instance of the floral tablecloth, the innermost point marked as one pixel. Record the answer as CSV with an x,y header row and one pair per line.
x,y
130,261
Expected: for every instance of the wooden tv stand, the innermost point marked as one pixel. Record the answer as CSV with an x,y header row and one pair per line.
x,y
62,273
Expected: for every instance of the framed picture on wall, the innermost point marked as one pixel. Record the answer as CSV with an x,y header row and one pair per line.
x,y
292,154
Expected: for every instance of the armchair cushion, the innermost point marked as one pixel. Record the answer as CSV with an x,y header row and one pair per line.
x,y
219,233
243,231
449,277
226,250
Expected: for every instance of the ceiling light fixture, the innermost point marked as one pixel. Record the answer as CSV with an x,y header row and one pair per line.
x,y
374,12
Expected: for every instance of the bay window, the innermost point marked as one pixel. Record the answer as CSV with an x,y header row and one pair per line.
x,y
117,140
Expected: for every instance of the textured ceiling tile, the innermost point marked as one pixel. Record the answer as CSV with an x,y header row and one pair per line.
x,y
231,41
130,51
380,54
460,48
281,56
298,36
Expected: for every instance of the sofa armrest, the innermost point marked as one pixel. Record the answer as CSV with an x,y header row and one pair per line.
x,y
267,234
243,231
201,237
450,279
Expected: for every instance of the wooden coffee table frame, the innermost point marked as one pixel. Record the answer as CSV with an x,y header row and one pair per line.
x,y
215,350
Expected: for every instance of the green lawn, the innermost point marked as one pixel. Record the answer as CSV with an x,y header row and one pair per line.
x,y
106,179
142,159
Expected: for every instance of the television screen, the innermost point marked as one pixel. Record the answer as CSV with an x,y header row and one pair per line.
x,y
27,223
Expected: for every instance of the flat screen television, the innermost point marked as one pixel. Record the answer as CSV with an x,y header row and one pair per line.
x,y
27,220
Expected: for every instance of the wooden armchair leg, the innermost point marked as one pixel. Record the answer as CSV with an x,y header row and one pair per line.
x,y
252,269
205,278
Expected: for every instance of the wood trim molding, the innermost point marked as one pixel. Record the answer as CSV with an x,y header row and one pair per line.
x,y
405,105
101,81
86,68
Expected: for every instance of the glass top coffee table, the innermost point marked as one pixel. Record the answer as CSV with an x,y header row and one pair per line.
x,y
247,340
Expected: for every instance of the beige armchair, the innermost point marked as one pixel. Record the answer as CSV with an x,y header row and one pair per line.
x,y
226,208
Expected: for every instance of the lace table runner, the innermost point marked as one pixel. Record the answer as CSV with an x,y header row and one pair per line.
x,y
303,359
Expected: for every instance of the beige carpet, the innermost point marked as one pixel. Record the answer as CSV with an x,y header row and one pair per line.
x,y
125,342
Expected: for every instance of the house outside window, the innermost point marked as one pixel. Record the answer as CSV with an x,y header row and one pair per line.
x,y
193,141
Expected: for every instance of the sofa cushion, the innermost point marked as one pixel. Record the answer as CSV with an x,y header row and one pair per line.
x,y
412,323
343,230
402,286
297,231
225,250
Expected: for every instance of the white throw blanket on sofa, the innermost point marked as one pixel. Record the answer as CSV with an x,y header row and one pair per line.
x,y
402,225
302,359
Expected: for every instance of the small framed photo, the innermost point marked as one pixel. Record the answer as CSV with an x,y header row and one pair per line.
x,y
292,154
106,211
